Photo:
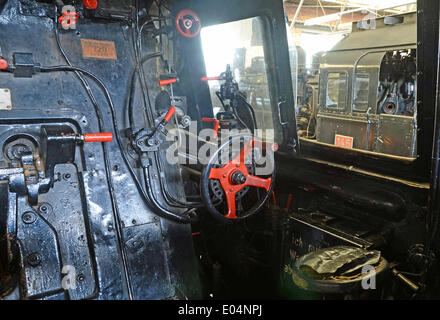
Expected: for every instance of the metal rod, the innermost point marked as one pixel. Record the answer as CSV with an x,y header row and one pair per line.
x,y
414,287
298,9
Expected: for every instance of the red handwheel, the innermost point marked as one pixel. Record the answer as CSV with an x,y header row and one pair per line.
x,y
188,23
235,178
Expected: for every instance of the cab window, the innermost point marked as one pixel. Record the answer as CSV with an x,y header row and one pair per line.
x,y
336,90
240,45
361,92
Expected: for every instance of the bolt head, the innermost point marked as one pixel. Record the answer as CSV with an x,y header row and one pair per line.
x,y
34,259
29,217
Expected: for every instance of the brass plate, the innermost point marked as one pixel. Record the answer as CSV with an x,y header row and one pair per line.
x,y
97,49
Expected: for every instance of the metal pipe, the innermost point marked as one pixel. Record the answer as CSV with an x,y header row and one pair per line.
x,y
369,123
405,280
298,9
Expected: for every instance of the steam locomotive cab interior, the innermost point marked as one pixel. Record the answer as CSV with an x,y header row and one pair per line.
x,y
183,150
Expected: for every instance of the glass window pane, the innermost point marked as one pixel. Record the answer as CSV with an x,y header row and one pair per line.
x,y
336,90
361,92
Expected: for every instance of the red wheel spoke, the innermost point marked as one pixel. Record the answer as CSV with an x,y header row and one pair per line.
x,y
258,182
230,199
216,173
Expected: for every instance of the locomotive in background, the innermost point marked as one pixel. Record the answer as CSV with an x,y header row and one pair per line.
x,y
361,94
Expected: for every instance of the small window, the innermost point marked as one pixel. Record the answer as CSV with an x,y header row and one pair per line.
x,y
240,44
361,92
336,90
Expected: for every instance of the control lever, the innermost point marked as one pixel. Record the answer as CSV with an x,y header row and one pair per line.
x,y
154,139
96,137
165,82
205,79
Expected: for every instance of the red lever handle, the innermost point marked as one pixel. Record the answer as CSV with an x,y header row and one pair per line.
x,y
204,79
98,137
3,64
166,82
170,113
216,125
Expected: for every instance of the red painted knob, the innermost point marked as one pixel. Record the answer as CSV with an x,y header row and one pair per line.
x,y
90,4
3,64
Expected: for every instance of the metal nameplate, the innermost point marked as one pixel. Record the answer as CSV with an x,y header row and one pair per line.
x,y
97,49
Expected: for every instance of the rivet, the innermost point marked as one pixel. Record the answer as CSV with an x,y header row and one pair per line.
x,y
34,259
80,277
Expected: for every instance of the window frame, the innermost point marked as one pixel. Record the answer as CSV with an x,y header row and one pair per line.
x,y
353,104
347,82
276,51
256,86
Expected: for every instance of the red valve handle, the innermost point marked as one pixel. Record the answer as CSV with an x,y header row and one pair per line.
x,y
98,137
68,19
188,18
3,64
170,113
166,82
216,125
90,4
204,79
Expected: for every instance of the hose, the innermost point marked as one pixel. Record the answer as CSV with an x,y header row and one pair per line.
x,y
148,196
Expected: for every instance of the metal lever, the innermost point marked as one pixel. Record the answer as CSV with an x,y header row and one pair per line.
x,y
97,137
167,82
205,79
216,125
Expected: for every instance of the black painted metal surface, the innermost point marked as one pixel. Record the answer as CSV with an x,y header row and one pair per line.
x,y
74,224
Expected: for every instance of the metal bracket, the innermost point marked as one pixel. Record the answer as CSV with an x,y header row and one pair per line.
x,y
280,118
